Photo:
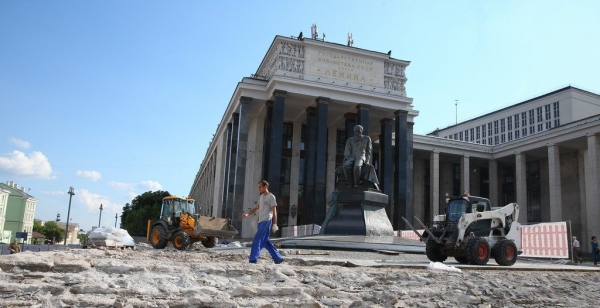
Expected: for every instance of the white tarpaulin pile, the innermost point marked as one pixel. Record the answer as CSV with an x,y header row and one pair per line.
x,y
110,237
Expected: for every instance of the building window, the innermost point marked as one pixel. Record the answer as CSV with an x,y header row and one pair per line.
x,y
531,117
340,142
532,130
503,138
540,127
288,133
539,114
490,129
547,111
509,123
477,133
509,136
548,125
517,134
460,136
534,209
516,121
467,135
556,122
496,140
483,131
524,118
524,131
472,134
455,136
490,140
303,138
556,110
496,127
483,141
502,126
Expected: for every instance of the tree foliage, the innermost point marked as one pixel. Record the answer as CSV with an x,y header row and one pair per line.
x,y
143,207
83,238
50,229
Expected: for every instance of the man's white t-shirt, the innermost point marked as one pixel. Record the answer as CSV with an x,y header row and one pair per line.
x,y
575,244
265,202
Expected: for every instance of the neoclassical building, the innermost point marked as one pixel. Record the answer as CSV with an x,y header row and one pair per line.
x,y
288,124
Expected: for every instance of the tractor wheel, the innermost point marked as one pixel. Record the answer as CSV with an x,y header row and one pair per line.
x,y
158,237
478,251
209,242
505,252
433,251
181,241
461,259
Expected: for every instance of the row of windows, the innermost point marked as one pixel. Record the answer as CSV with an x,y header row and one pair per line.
x,y
503,130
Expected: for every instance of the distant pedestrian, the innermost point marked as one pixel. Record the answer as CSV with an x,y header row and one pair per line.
x,y
267,214
15,247
576,251
595,250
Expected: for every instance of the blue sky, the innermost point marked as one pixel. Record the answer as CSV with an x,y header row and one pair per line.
x,y
116,98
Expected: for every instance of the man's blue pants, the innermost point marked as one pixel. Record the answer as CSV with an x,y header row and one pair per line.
x,y
261,240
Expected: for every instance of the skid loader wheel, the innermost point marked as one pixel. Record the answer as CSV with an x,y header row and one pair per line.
x,y
181,240
433,251
505,252
209,242
461,259
158,237
478,251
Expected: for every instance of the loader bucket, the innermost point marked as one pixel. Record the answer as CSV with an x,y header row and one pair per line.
x,y
212,226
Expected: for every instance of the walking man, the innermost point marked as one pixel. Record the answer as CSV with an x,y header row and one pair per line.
x,y
576,250
267,214
595,250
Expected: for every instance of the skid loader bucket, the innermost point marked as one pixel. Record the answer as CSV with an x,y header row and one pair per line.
x,y
212,226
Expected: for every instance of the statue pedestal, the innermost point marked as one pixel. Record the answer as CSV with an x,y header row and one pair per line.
x,y
357,211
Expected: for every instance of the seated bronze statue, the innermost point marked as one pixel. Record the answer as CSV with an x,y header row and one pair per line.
x,y
357,158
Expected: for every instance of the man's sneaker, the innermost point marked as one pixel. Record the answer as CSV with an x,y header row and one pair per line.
x,y
279,262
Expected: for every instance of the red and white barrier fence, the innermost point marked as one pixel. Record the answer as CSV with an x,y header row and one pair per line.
x,y
545,240
410,234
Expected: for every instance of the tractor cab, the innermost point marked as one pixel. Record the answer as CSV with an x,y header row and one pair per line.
x,y
173,207
458,206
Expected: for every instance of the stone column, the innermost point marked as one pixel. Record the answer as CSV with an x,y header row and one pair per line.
x,y
331,160
241,158
554,183
466,178
521,185
310,148
386,163
493,166
362,118
226,170
295,172
276,142
592,188
410,210
434,183
400,170
320,160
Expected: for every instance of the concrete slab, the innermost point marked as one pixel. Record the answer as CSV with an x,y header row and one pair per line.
x,y
353,242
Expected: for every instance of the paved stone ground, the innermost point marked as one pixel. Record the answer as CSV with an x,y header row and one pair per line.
x,y
222,278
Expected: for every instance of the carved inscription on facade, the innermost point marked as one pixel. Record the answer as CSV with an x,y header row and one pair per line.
x,y
287,57
347,67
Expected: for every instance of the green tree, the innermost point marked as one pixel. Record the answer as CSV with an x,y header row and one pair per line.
x,y
83,238
37,226
52,231
143,207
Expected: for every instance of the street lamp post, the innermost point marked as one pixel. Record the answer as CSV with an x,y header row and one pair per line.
x,y
100,219
71,193
116,220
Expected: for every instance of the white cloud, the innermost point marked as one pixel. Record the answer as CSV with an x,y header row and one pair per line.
x,y
36,165
90,175
92,202
142,186
20,143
